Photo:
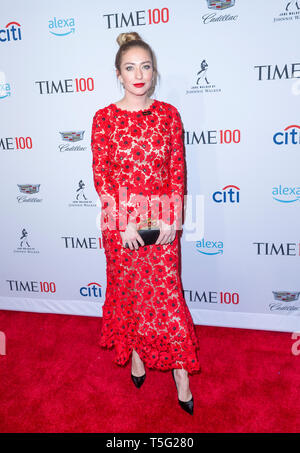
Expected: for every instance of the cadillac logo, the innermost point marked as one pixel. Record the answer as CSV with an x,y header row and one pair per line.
x,y
285,296
29,188
72,136
220,4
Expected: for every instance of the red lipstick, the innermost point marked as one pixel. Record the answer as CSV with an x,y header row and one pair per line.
x,y
138,85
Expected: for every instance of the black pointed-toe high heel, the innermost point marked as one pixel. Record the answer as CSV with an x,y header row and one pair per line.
x,y
187,406
138,380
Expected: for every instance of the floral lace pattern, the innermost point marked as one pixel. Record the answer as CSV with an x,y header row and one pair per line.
x,y
144,306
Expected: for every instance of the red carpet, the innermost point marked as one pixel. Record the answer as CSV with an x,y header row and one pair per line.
x,y
55,378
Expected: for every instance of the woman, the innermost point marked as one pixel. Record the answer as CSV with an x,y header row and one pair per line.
x,y
138,162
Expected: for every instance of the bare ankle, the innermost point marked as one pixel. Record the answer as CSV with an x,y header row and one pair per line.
x,y
136,360
181,373
135,355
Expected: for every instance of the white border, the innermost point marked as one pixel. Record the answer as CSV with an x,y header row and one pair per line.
x,y
257,321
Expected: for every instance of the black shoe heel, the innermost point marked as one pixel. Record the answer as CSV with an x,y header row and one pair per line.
x,y
138,380
187,406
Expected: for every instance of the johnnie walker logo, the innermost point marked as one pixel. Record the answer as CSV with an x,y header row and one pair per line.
x,y
25,243
80,197
202,81
289,12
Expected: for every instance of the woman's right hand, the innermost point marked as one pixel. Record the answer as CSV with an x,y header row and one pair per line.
x,y
131,237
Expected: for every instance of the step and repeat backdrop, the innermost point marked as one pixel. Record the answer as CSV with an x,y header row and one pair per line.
x,y
232,69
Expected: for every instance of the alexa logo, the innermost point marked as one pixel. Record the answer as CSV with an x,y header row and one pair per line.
x,y
11,32
5,90
285,194
209,247
229,194
61,27
91,290
289,136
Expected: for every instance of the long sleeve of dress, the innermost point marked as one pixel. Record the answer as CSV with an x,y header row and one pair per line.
x,y
177,169
102,178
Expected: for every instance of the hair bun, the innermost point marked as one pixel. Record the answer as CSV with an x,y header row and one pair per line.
x,y
124,38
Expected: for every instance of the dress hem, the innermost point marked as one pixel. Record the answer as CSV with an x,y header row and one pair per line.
x,y
149,364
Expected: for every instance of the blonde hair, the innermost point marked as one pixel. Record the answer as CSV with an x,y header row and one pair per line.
x,y
129,40
124,38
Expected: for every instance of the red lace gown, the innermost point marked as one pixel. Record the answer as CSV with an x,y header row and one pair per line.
x,y
144,306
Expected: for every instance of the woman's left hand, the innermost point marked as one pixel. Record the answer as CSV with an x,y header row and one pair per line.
x,y
167,233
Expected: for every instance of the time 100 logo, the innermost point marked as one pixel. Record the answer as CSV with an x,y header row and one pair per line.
x,y
229,298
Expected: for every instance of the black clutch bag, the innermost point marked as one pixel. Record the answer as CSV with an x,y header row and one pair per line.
x,y
148,235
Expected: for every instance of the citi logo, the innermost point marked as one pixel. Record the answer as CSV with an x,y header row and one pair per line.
x,y
61,27
210,247
229,194
286,194
91,290
11,32
289,136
